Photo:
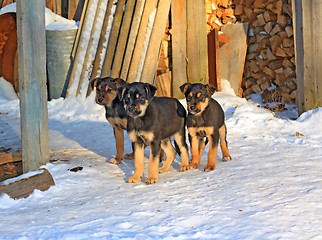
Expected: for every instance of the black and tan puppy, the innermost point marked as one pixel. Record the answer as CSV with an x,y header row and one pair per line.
x,y
106,95
205,120
152,121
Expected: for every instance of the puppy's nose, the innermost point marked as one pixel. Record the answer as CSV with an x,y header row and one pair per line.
x,y
100,99
193,108
130,108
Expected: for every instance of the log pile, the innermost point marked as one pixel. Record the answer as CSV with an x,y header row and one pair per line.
x,y
270,58
218,13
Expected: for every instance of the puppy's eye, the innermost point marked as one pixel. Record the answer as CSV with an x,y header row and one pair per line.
x,y
141,97
189,98
109,90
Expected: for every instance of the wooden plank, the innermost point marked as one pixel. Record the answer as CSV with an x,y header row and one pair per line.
x,y
139,6
135,61
80,29
78,48
32,83
163,85
98,57
10,157
89,45
179,47
121,43
24,187
233,54
308,53
213,59
197,51
110,51
72,6
152,55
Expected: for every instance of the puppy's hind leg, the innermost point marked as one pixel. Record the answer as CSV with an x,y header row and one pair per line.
x,y
170,154
180,139
223,143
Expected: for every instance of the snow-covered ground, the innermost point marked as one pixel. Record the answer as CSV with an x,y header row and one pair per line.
x,y
272,189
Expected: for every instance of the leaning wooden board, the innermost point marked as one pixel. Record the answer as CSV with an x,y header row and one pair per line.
x,y
152,55
233,53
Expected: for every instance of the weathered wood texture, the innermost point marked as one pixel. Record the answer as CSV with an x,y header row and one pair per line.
x,y
197,42
113,39
152,55
213,59
138,11
32,83
233,53
179,47
138,48
308,53
24,187
98,55
122,40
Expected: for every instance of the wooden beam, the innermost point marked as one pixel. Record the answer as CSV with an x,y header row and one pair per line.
x,y
233,54
139,6
77,49
98,57
88,49
179,47
307,20
32,83
152,55
110,51
197,42
138,48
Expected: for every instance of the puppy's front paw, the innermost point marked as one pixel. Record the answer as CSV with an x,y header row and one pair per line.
x,y
209,168
184,168
226,158
115,161
133,179
151,180
193,165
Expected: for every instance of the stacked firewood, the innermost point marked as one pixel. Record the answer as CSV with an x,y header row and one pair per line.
x,y
270,58
219,12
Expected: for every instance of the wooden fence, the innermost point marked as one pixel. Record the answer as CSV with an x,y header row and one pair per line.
x,y
307,21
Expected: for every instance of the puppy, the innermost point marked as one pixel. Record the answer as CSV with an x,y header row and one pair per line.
x,y
153,120
106,95
205,120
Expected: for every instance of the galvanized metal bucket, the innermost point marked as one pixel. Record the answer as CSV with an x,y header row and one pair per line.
x,y
59,46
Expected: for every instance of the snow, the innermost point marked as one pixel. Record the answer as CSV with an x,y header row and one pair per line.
x,y
270,190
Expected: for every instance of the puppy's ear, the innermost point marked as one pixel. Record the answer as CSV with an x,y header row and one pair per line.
x,y
119,82
210,89
95,82
150,90
184,88
120,92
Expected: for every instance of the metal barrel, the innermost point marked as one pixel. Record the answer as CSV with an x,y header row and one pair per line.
x,y
59,46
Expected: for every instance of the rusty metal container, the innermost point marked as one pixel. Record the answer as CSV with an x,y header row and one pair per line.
x,y
59,46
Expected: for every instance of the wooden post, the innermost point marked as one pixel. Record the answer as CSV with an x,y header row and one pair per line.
x,y
179,47
98,57
110,51
32,83
139,6
138,48
197,42
307,21
121,43
152,55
